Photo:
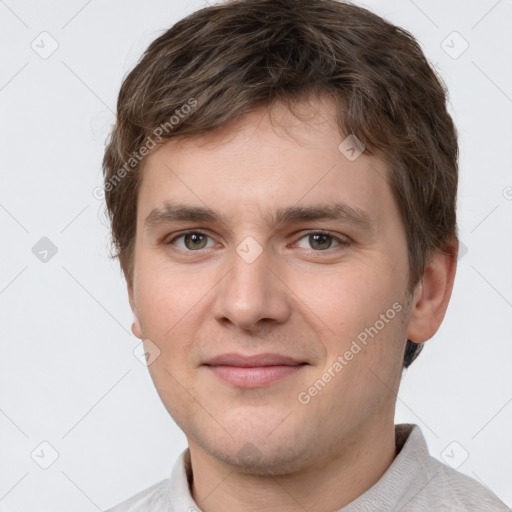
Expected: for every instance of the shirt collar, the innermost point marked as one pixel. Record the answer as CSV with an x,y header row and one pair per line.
x,y
410,469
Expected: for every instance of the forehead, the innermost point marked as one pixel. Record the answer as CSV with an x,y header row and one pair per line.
x,y
269,160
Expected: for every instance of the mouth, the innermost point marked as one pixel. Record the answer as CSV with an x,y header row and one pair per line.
x,y
253,371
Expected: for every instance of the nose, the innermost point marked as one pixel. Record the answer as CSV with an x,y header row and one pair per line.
x,y
253,295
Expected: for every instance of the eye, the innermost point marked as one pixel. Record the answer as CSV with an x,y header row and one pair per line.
x,y
191,241
320,241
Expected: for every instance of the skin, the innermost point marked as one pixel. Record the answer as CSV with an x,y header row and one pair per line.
x,y
297,298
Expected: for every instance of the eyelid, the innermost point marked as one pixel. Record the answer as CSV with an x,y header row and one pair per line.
x,y
171,239
342,240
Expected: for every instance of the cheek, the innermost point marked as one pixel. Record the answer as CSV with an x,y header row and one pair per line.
x,y
359,314
168,303
166,297
350,298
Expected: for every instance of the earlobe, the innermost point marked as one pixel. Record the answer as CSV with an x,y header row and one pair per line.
x,y
432,295
136,329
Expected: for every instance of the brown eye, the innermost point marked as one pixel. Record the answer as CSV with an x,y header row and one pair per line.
x,y
191,241
319,241
195,241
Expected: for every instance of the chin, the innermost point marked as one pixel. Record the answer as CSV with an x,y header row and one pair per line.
x,y
260,457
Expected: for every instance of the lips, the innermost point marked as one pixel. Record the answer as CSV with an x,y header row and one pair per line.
x,y
253,371
253,361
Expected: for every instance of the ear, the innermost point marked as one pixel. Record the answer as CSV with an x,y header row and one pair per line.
x,y
136,329
432,294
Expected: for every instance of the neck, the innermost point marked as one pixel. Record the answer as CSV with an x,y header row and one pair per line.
x,y
324,486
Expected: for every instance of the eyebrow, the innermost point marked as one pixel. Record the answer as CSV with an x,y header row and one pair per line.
x,y
340,212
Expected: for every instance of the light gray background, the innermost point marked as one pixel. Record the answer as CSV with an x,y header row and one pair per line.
x,y
67,369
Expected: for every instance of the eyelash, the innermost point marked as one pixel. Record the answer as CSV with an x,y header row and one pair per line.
x,y
342,242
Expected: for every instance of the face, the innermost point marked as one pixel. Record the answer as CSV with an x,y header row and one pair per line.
x,y
270,278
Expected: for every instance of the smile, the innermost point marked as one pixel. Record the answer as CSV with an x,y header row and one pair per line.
x,y
253,371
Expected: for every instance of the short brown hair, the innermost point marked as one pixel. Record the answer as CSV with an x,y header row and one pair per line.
x,y
228,59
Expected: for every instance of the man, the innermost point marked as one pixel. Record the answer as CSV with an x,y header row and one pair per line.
x,y
281,183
